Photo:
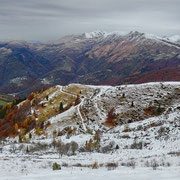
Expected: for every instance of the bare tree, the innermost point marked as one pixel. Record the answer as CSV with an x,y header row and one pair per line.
x,y
74,147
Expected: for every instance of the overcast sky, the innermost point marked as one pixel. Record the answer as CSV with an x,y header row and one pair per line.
x,y
50,19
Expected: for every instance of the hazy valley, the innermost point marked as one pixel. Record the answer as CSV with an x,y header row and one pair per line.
x,y
96,58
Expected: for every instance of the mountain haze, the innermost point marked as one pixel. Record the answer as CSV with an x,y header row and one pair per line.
x,y
91,58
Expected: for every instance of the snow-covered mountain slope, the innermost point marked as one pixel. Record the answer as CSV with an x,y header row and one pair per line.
x,y
133,35
175,39
137,109
116,127
147,113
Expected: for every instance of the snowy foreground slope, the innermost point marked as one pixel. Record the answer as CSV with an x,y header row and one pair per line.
x,y
124,132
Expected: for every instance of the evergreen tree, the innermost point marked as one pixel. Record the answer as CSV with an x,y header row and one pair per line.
x,y
61,108
159,109
30,135
132,104
27,150
20,139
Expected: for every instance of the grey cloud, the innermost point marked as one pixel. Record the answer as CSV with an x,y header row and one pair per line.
x,y
50,19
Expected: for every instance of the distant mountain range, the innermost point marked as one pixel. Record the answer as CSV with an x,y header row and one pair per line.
x,y
91,58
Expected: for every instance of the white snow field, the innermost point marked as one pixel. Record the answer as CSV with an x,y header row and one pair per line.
x,y
124,174
39,168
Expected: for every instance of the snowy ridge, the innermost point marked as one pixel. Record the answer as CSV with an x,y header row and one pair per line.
x,y
136,35
152,36
96,34
101,99
103,34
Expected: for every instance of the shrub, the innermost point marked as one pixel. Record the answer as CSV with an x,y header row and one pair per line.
x,y
89,146
61,108
21,147
109,147
89,131
153,110
30,135
175,153
78,165
13,148
39,131
110,120
56,166
20,139
146,164
3,112
74,147
154,164
65,164
136,145
95,166
111,166
129,164
77,100
38,147
54,134
30,97
132,104
47,124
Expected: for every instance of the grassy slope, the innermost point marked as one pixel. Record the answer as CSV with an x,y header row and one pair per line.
x,y
2,102
4,99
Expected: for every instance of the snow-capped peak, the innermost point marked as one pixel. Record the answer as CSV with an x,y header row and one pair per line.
x,y
104,34
96,34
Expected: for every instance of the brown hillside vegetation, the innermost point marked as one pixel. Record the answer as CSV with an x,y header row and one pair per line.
x,y
19,119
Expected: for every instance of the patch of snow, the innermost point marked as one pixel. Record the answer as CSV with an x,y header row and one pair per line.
x,y
96,34
45,81
152,36
175,38
18,80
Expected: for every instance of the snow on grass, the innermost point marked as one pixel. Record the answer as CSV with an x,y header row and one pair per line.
x,y
159,135
32,168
